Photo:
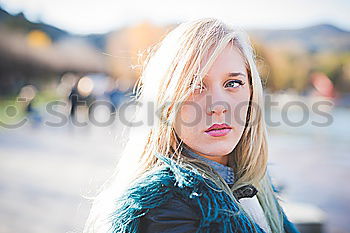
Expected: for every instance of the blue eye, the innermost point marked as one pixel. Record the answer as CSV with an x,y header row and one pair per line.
x,y
235,83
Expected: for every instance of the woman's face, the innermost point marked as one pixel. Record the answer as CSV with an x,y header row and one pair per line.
x,y
223,99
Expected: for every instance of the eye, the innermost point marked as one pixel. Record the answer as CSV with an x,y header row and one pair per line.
x,y
235,83
199,86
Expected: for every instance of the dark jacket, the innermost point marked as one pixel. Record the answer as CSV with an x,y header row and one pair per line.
x,y
177,216
174,199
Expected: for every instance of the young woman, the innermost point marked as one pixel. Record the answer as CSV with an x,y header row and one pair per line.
x,y
195,159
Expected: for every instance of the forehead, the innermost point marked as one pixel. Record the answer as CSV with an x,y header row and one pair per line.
x,y
230,60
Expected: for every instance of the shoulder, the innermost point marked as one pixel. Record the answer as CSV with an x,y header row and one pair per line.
x,y
175,199
158,190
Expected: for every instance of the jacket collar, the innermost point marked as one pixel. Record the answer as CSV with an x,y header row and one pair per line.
x,y
225,172
186,177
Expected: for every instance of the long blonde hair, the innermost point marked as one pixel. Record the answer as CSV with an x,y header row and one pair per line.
x,y
172,65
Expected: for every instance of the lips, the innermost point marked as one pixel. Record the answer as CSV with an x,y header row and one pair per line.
x,y
218,127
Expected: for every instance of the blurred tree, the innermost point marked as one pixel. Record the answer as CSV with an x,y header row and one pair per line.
x,y
38,39
128,48
335,66
273,66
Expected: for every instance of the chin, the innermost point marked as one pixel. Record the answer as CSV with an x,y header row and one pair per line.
x,y
220,151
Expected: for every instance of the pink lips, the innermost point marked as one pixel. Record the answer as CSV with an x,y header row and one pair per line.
x,y
218,130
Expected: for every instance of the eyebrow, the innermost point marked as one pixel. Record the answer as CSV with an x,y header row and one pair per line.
x,y
234,74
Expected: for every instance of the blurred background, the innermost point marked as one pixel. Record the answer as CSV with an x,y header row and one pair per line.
x,y
67,67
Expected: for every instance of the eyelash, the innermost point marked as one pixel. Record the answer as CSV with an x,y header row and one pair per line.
x,y
240,82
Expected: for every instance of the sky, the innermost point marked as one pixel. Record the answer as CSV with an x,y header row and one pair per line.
x,y
100,16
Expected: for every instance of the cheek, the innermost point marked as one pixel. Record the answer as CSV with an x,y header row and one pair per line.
x,y
189,115
186,120
240,108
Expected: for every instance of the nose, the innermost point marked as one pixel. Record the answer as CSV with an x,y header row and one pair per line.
x,y
217,108
216,102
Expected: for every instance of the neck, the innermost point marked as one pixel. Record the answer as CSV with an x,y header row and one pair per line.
x,y
219,159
